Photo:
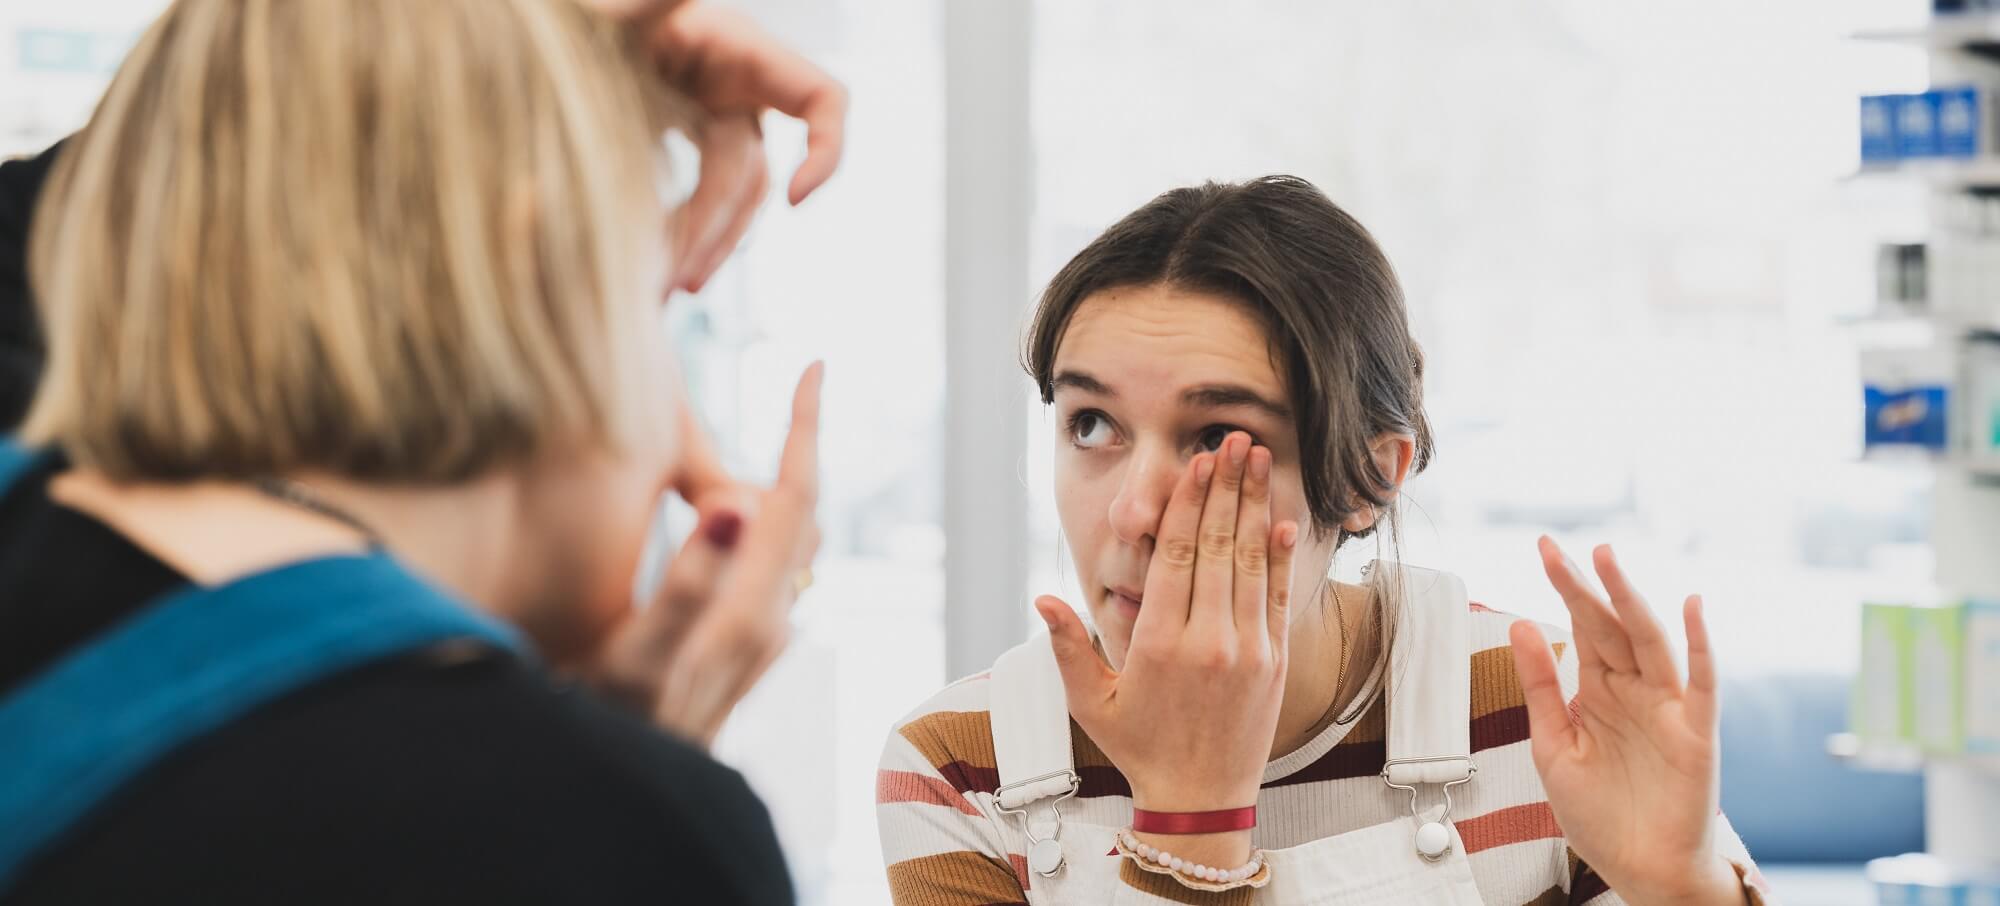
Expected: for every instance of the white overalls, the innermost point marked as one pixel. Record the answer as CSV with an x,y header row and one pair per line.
x,y
1429,753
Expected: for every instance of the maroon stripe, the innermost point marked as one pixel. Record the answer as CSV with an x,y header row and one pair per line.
x,y
1342,762
967,778
1500,728
1099,780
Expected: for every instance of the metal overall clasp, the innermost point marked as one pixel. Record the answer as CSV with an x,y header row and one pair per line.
x,y
1045,857
1433,837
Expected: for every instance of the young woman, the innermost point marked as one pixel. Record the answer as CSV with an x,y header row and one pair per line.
x,y
1240,398
326,516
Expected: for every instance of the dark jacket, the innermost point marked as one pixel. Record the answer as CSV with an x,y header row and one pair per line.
x,y
20,331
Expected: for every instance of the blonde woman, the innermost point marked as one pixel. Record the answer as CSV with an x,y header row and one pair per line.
x,y
354,415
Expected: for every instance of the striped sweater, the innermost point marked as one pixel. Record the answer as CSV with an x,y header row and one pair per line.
x,y
946,844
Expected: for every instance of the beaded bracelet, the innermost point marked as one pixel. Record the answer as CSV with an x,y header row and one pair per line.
x,y
1254,873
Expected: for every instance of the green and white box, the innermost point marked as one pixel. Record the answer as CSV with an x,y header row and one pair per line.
x,y
1937,674
1981,719
1882,710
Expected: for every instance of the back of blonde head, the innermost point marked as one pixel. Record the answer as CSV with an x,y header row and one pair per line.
x,y
399,240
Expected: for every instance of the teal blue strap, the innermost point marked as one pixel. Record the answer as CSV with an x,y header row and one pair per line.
x,y
192,663
14,460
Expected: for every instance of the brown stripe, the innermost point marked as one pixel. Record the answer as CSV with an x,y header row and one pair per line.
x,y
1553,896
1166,888
1518,824
1496,686
954,879
947,736
910,786
1501,728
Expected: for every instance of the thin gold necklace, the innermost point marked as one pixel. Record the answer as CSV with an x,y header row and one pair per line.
x,y
1339,678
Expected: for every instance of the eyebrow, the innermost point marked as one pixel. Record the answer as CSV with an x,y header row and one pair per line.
x,y
1229,396
1080,381
1206,396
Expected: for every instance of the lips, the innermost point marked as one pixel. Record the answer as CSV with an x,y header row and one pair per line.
x,y
1126,595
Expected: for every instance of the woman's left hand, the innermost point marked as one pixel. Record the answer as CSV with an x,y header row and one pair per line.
x,y
1631,765
722,613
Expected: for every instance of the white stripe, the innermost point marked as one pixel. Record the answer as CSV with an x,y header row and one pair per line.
x,y
969,694
913,830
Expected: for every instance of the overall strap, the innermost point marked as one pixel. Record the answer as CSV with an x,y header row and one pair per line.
x,y
193,662
1430,674
1031,746
1429,691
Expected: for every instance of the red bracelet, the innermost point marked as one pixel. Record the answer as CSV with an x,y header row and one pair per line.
x,y
1217,822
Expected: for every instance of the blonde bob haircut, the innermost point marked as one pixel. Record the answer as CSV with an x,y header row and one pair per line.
x,y
397,240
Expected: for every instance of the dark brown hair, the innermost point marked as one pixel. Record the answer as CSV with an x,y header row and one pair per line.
x,y
1329,301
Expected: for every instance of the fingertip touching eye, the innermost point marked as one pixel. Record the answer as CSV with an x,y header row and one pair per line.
x,y
1210,439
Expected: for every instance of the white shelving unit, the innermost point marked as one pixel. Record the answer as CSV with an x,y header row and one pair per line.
x,y
1950,32
1949,174
1962,792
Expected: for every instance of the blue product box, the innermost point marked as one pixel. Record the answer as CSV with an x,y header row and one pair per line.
x,y
1917,879
1958,121
1906,417
1878,129
1916,124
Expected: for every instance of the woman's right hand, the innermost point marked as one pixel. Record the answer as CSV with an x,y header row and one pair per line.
x,y
1190,719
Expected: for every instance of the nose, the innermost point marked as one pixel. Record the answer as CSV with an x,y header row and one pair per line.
x,y
1143,491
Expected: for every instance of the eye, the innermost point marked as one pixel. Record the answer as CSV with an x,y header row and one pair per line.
x,y
1090,429
1210,439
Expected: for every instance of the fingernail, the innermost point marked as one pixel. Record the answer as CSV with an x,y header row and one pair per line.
x,y
722,529
1260,466
1203,468
1237,451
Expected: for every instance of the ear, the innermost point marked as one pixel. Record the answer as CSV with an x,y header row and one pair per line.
x,y
1392,455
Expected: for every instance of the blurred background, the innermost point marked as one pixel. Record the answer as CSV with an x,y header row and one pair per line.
x,y
1657,286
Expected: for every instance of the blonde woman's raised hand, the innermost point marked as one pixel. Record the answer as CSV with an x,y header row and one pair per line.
x,y
735,71
722,613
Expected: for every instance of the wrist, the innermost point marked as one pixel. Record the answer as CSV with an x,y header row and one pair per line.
x,y
1191,797
1716,884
